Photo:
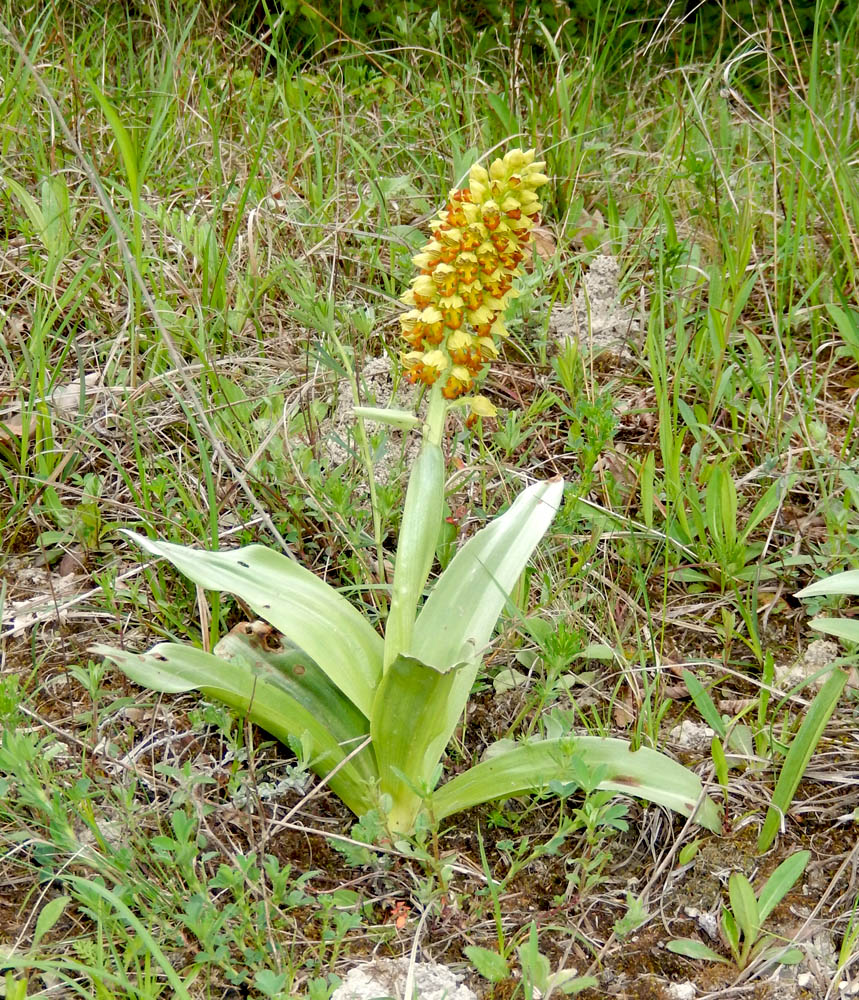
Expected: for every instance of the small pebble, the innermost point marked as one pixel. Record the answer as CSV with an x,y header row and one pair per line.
x,y
681,991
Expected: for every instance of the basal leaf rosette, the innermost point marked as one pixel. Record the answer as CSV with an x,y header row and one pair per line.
x,y
466,277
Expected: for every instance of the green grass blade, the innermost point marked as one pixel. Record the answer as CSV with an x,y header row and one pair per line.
x,y
142,932
127,147
704,703
799,754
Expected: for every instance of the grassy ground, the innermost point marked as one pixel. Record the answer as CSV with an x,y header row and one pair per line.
x,y
204,226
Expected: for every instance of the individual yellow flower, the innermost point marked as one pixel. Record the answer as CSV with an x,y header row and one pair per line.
x,y
478,406
481,407
458,382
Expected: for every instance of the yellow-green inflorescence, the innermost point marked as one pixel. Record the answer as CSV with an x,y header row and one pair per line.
x,y
466,277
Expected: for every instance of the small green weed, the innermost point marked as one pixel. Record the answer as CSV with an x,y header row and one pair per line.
x,y
743,919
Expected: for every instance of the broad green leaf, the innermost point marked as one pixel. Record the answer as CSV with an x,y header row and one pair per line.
x,y
838,583
254,646
688,852
782,880
263,693
457,621
799,754
530,767
300,605
597,651
791,956
508,679
409,733
535,965
741,741
731,933
844,628
847,321
744,906
48,916
489,964
56,211
422,518
691,948
269,982
569,982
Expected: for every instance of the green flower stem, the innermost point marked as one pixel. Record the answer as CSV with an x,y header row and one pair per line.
x,y
419,533
436,416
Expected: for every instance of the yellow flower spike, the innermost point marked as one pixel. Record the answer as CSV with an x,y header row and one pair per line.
x,y
478,243
472,238
453,318
527,197
478,191
536,179
458,382
468,270
446,277
511,204
471,212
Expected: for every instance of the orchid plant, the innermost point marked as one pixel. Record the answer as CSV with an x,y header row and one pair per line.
x,y
373,715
